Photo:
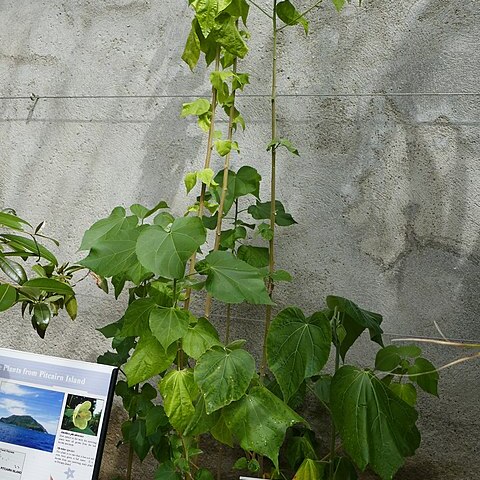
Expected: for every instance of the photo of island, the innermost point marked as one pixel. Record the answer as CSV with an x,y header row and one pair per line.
x,y
29,416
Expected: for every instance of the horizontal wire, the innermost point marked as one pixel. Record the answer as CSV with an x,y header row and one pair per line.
x,y
34,97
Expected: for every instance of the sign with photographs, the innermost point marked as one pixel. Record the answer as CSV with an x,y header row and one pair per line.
x,y
53,416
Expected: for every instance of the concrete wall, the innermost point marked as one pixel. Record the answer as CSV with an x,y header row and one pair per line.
x,y
385,193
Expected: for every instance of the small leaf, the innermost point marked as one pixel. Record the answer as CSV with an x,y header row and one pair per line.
x,y
228,238
190,181
405,391
283,142
425,375
191,53
265,231
198,107
387,359
281,276
139,210
8,297
41,318
339,4
22,243
206,176
71,307
310,470
261,211
290,16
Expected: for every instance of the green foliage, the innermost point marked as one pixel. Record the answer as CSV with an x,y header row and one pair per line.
x,y
208,385
31,273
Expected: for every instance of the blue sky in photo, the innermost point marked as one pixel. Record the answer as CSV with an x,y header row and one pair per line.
x,y
45,406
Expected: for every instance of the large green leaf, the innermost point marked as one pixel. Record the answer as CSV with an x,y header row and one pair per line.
x,y
108,227
233,281
17,242
169,324
199,338
227,35
179,391
136,316
255,256
223,376
115,255
148,359
201,422
376,427
166,253
261,211
259,421
355,320
8,297
191,52
206,11
297,347
49,285
246,181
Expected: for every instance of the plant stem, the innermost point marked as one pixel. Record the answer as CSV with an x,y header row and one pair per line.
x,y
333,436
129,463
226,167
208,157
271,243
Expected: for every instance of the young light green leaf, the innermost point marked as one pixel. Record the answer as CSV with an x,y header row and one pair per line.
x,y
190,181
191,53
339,4
376,427
265,231
179,391
172,249
148,359
206,176
199,338
259,420
223,147
8,296
227,35
71,306
168,324
297,347
289,15
231,280
310,470
108,227
223,376
198,107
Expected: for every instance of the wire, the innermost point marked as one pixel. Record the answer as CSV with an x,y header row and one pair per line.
x,y
254,95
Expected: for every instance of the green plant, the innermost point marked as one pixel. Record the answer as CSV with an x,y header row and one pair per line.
x,y
49,290
210,386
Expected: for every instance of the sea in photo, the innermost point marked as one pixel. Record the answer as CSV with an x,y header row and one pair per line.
x,y
29,416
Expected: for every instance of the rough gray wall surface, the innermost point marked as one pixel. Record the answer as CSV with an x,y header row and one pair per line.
x,y
385,193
